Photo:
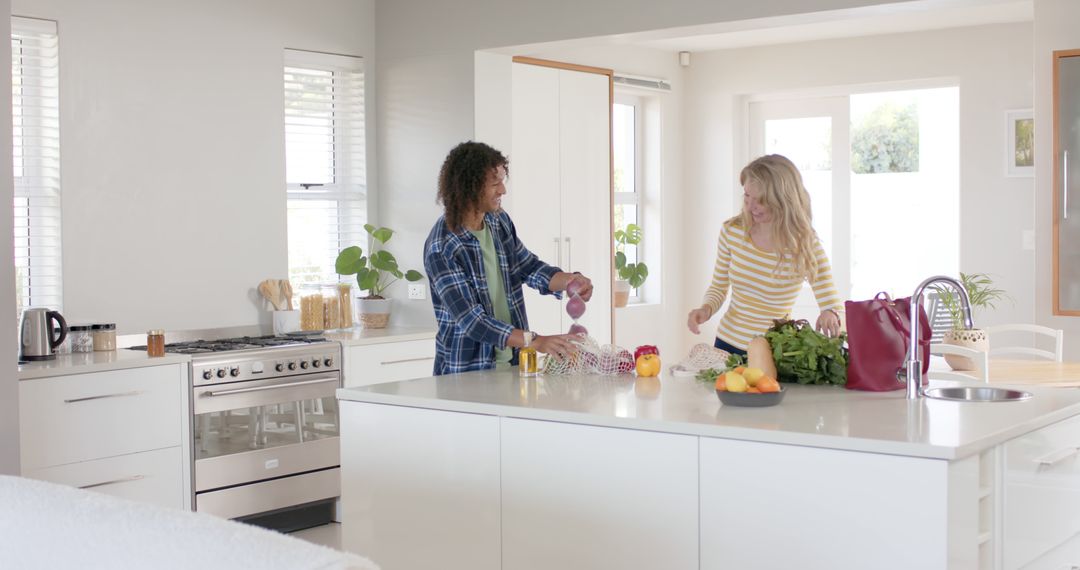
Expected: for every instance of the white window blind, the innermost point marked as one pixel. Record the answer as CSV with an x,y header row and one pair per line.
x,y
325,168
35,103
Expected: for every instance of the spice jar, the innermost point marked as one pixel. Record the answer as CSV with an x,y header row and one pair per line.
x,y
82,340
104,336
155,342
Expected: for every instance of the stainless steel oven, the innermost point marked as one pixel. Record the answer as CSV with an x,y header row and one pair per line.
x,y
265,427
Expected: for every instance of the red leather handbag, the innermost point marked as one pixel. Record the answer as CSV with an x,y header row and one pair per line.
x,y
878,336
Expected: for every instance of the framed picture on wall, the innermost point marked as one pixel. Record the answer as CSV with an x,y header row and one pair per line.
x,y
1019,143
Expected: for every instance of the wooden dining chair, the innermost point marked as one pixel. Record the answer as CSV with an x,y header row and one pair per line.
x,y
1055,336
979,357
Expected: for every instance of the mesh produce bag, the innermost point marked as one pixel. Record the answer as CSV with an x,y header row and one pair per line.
x,y
702,356
590,358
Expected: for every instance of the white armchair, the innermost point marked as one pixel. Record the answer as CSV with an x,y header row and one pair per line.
x,y
1056,337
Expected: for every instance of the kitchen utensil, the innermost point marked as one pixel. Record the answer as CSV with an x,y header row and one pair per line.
x,y
286,290
270,291
37,340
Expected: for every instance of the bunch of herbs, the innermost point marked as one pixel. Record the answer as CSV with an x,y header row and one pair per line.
x,y
806,356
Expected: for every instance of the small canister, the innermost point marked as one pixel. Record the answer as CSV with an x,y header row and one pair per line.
x,y
155,342
82,340
104,336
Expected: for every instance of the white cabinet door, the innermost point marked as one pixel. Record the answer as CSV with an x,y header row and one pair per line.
x,y
560,185
587,497
533,198
420,488
1042,491
585,180
150,477
388,362
784,506
89,416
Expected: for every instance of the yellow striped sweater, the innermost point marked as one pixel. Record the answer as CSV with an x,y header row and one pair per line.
x,y
759,293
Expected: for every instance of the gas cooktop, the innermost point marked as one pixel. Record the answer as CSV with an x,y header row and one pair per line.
x,y
238,343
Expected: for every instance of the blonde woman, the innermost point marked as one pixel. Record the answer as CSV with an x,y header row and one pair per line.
x,y
764,255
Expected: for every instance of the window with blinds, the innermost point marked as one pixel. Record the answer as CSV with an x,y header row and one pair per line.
x,y
325,169
35,104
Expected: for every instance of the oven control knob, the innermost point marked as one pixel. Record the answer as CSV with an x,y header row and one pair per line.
x,y
303,364
279,367
292,366
207,374
329,362
234,372
221,373
316,362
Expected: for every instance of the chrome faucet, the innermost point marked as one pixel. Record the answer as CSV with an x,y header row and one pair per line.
x,y
914,365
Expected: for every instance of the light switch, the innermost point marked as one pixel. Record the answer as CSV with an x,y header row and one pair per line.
x,y
417,291
1027,240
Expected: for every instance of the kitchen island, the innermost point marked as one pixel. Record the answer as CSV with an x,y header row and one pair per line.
x,y
489,470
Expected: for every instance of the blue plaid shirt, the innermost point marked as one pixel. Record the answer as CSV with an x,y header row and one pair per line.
x,y
468,331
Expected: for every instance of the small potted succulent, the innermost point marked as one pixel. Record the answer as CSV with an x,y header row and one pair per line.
x,y
630,275
374,273
982,294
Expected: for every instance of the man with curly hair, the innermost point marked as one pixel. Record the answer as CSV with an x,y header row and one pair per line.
x,y
477,265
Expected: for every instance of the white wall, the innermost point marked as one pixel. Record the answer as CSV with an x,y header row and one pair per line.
x,y
992,66
172,145
1055,29
425,97
9,384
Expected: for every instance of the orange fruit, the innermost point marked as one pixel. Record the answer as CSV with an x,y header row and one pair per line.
x,y
739,369
768,384
721,382
753,391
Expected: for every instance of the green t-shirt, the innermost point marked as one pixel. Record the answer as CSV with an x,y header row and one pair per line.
x,y
495,288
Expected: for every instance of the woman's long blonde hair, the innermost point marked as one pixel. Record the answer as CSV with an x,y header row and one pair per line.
x,y
786,198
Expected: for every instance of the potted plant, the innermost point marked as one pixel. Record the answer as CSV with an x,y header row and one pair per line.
x,y
982,294
630,275
374,273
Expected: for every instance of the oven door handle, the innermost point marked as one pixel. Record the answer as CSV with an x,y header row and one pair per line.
x,y
265,388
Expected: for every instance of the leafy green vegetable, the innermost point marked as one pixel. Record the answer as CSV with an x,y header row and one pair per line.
x,y
806,356
709,374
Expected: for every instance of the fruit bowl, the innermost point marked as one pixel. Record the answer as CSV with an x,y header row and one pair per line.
x,y
750,399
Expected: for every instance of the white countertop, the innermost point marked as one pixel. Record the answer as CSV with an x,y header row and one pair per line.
x,y
361,336
85,362
815,416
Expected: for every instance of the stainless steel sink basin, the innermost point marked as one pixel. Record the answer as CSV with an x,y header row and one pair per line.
x,y
977,394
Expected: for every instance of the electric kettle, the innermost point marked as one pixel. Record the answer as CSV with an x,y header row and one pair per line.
x,y
37,341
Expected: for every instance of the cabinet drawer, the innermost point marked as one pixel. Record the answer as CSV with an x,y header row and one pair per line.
x,y
150,477
92,416
1042,491
388,362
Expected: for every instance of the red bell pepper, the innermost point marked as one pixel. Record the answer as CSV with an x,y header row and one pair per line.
x,y
645,349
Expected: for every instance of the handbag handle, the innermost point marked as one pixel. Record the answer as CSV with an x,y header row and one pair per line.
x,y
887,303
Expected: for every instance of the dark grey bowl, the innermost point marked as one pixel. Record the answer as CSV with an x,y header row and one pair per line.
x,y
751,400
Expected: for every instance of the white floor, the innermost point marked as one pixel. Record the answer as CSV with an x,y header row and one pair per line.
x,y
326,535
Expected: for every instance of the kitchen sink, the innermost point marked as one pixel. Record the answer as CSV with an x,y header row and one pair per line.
x,y
977,394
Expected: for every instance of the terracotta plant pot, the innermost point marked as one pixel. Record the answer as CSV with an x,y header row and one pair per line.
x,y
374,313
621,293
976,339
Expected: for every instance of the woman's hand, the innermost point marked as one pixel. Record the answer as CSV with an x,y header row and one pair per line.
x,y
557,345
828,323
696,317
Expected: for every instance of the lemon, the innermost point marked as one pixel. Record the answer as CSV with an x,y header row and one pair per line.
x,y
736,382
752,375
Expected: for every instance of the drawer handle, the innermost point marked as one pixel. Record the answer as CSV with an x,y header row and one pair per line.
x,y
119,395
1056,457
421,359
114,481
213,393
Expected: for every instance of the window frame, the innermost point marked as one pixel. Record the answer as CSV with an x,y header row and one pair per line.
x,y
636,197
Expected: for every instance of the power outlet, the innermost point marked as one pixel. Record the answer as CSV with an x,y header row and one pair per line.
x,y
417,291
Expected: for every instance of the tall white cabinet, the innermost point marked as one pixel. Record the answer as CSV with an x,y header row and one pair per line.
x,y
558,141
